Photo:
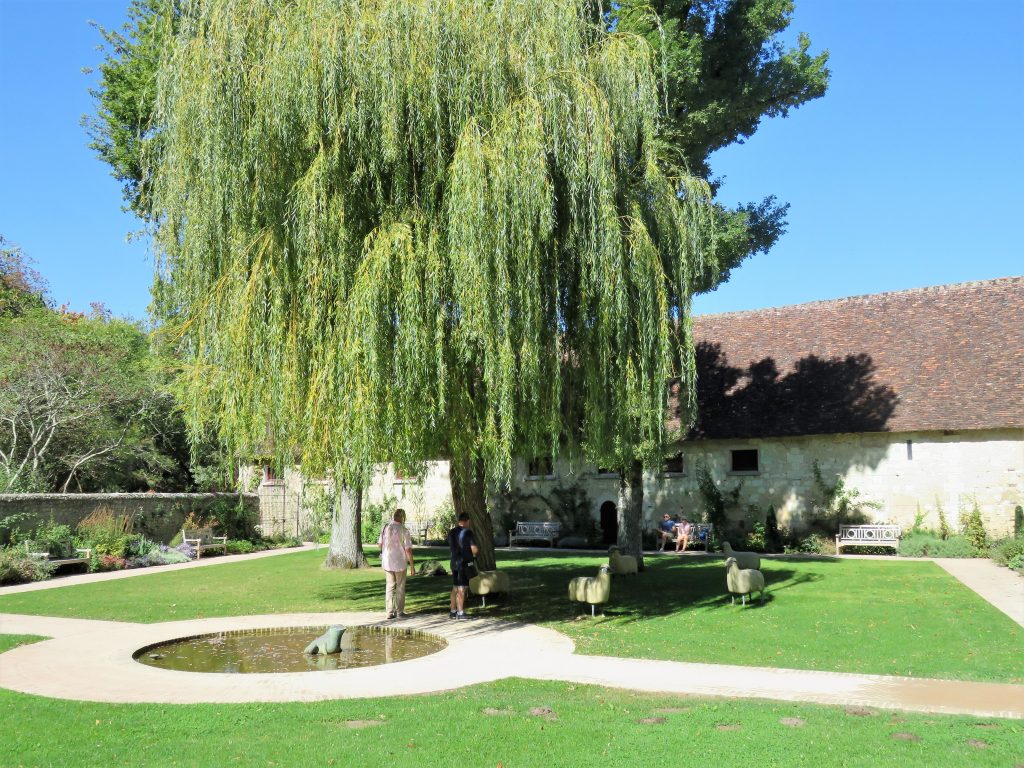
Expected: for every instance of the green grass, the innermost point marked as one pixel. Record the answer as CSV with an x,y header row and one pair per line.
x,y
881,617
489,725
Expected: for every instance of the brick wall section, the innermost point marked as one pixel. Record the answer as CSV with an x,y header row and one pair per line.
x,y
159,515
932,359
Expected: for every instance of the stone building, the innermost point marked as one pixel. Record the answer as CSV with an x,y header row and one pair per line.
x,y
914,398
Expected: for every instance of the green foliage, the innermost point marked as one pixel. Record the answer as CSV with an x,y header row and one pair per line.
x,y
234,519
1004,551
755,540
16,567
55,538
571,506
772,535
369,258
106,534
919,518
812,544
974,530
318,502
716,502
930,545
945,531
1016,563
240,547
724,69
1018,520
444,520
375,516
834,504
22,289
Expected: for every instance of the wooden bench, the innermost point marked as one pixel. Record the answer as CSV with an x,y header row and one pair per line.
x,y
202,539
868,536
699,533
70,556
546,531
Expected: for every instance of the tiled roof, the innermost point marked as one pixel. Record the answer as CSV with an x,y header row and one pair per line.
x,y
944,358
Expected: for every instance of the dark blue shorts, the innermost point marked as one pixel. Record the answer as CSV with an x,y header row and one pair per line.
x,y
461,575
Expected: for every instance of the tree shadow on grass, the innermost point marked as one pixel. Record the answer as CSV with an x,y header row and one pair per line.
x,y
540,587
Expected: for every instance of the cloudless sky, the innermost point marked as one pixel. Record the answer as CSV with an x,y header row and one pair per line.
x,y
908,173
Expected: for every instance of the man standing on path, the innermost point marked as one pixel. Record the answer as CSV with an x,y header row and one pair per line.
x,y
463,549
395,556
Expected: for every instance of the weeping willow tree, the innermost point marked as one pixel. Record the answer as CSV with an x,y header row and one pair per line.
x,y
397,230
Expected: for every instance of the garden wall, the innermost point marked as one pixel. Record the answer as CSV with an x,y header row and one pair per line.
x,y
158,515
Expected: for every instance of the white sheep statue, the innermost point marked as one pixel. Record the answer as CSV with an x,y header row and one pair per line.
x,y
743,559
619,563
742,582
594,590
489,583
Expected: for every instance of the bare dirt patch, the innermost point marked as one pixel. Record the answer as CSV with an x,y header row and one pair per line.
x,y
978,743
492,712
355,724
793,722
728,727
860,712
652,720
903,736
546,712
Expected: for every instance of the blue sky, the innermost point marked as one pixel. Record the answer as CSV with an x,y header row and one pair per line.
x,y
907,173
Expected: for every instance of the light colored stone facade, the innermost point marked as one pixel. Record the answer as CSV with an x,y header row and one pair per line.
x,y
903,473
289,503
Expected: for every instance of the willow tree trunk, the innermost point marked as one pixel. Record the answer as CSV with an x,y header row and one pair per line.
x,y
630,512
346,548
469,495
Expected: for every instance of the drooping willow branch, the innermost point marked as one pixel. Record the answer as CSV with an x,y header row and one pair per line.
x,y
394,229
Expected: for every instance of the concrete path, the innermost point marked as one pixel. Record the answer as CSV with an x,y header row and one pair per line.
x,y
93,661
1000,586
91,578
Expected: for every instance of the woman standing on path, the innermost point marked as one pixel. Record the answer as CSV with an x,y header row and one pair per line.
x,y
395,556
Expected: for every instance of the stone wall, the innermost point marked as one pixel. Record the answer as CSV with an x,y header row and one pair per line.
x,y
948,469
158,515
904,474
289,504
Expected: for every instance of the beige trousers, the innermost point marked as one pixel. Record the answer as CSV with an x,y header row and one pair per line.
x,y
394,597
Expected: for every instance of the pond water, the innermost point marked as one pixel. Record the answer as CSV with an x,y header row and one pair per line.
x,y
280,650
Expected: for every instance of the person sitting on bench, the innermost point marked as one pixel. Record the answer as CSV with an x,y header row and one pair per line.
x,y
666,529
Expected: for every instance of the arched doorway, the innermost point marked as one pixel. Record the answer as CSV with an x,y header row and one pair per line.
x,y
609,523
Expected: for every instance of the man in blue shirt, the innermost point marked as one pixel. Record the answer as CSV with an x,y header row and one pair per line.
x,y
667,527
463,550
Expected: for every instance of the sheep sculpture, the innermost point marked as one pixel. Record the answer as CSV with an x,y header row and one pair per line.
x,y
621,564
742,581
743,559
489,583
594,590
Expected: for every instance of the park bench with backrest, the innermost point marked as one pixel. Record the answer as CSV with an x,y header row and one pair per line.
x,y
868,536
700,533
69,554
202,540
535,531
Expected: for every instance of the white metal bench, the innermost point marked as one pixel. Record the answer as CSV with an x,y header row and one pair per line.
x,y
868,536
546,531
72,555
202,539
700,533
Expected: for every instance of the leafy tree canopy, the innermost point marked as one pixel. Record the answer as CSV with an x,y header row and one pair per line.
x,y
397,230
22,289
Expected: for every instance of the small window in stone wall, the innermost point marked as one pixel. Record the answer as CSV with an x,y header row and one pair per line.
x,y
744,460
404,476
541,466
269,475
607,472
674,465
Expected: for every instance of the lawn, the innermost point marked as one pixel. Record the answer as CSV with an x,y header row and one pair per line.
x,y
870,616
508,723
